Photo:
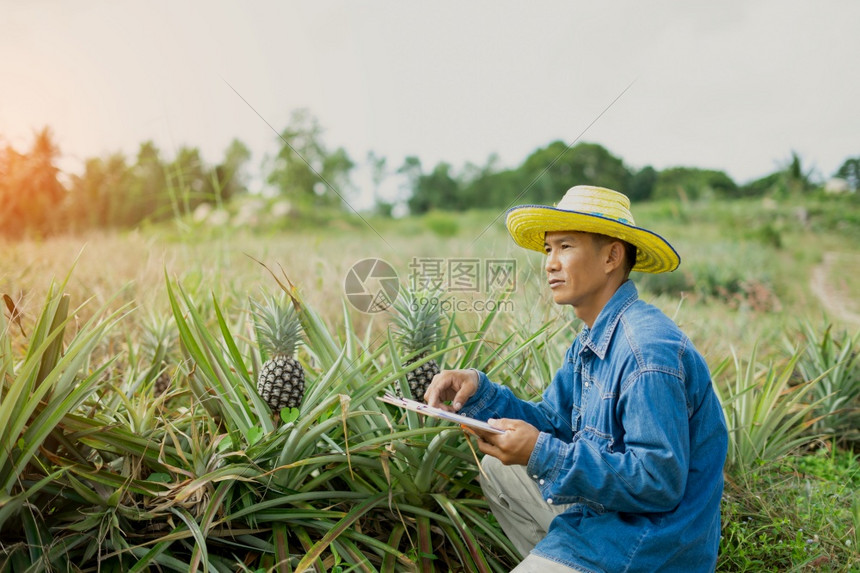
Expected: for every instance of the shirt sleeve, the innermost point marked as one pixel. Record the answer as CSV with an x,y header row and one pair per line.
x,y
551,415
650,472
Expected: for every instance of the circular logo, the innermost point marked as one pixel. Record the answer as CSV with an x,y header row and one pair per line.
x,y
371,285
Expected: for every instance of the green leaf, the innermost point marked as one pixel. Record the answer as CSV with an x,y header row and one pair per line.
x,y
289,415
200,553
339,529
253,434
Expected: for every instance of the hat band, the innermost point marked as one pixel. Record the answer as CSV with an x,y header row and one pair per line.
x,y
618,219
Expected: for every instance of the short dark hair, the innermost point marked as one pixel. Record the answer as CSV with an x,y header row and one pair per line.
x,y
629,250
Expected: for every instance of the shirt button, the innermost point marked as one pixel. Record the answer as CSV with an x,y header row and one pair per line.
x,y
549,501
535,476
541,482
586,384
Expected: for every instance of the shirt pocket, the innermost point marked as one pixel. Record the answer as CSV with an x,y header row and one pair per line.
x,y
598,420
603,440
600,405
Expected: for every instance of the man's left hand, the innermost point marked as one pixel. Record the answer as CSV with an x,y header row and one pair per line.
x,y
514,446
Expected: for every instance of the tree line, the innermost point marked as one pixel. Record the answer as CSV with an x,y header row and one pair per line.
x,y
36,199
115,191
558,166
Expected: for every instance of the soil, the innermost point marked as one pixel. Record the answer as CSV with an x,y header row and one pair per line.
x,y
836,298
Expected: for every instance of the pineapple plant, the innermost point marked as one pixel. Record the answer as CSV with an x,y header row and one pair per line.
x,y
158,340
162,383
417,327
281,383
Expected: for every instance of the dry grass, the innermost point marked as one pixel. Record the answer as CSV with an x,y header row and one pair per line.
x,y
131,266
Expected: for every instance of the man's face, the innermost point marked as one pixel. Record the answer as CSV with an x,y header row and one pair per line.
x,y
576,271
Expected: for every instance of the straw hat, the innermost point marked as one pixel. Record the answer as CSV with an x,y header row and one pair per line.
x,y
592,210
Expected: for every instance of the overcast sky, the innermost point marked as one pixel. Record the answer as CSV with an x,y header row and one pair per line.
x,y
732,85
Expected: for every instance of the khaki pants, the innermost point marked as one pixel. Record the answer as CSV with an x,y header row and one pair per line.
x,y
521,510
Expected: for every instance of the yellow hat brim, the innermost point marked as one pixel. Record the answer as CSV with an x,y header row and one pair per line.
x,y
528,225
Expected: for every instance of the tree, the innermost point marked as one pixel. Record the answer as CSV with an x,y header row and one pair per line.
x,y
228,179
693,183
148,187
411,170
850,172
99,197
31,194
763,185
378,173
305,170
112,193
335,171
791,179
641,186
438,190
488,186
555,168
544,174
798,179
188,182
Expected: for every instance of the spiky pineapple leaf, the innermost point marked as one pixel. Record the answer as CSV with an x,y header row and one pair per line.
x,y
417,319
277,326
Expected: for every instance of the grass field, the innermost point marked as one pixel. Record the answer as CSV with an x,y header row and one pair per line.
x,y
204,476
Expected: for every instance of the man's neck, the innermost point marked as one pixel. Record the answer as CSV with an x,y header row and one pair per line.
x,y
589,315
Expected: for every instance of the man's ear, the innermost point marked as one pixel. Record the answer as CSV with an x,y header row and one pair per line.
x,y
615,255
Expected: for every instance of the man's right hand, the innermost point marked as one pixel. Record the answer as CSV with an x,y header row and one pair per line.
x,y
455,386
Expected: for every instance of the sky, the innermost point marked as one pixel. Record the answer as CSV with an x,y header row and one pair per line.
x,y
732,85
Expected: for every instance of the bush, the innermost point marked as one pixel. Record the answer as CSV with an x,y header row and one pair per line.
x,y
675,283
441,224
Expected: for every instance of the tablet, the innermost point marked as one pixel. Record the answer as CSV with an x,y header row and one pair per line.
x,y
426,410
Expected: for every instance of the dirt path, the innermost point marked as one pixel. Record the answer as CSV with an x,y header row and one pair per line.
x,y
836,298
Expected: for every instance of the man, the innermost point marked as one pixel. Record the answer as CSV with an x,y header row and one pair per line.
x,y
619,466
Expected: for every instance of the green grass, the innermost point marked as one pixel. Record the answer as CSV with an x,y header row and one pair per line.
x,y
794,515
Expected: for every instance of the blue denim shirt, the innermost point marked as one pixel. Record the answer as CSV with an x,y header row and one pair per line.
x,y
633,436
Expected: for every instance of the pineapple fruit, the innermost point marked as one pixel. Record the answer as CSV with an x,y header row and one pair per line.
x,y
162,383
281,383
417,326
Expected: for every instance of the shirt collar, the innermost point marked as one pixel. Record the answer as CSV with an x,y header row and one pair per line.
x,y
598,336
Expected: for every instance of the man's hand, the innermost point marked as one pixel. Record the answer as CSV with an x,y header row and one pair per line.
x,y
455,386
515,446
